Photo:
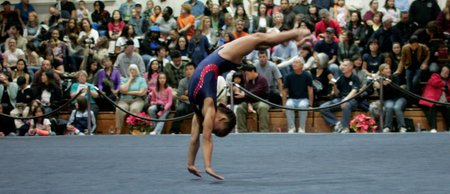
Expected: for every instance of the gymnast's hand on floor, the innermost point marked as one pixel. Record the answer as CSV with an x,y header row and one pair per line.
x,y
211,172
193,170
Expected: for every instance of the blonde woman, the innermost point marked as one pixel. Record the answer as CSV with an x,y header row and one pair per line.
x,y
32,29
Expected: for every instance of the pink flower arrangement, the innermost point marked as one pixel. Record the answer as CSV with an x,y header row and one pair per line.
x,y
363,124
139,125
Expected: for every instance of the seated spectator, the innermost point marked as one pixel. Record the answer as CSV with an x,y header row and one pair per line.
x,y
182,46
340,13
386,35
345,88
167,22
368,16
100,16
259,86
186,21
32,56
347,47
389,9
151,77
405,27
322,27
116,25
12,55
160,103
432,38
241,15
133,89
128,57
108,81
88,35
175,70
393,102
424,11
8,128
9,15
15,32
443,20
372,60
137,22
21,71
357,27
56,64
183,106
8,92
415,57
24,8
127,34
270,71
79,119
100,50
46,66
239,32
32,29
84,87
23,103
125,10
329,47
297,93
322,77
437,89
149,9
377,22
82,12
198,47
72,28
208,32
48,94
150,43
57,49
283,52
75,54
39,126
161,56
172,40
58,19
92,69
156,14
262,20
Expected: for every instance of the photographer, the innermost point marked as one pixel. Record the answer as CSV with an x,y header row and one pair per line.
x,y
87,36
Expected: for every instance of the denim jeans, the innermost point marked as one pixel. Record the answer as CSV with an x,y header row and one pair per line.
x,y
413,80
290,114
152,111
394,106
334,69
331,119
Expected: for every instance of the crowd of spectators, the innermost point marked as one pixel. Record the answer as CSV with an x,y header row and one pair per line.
x,y
142,56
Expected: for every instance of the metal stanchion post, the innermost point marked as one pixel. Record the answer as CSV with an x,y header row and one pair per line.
x,y
230,84
89,124
381,81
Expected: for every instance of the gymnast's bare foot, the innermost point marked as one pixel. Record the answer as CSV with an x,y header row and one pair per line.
x,y
211,172
193,170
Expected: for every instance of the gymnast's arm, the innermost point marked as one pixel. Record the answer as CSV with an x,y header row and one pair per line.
x,y
193,146
208,125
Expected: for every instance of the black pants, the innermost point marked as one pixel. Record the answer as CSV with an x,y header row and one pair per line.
x,y
182,109
430,113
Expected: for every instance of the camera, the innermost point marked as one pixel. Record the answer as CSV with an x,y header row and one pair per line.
x,y
89,40
159,107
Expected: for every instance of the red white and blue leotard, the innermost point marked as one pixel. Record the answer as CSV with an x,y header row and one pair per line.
x,y
203,83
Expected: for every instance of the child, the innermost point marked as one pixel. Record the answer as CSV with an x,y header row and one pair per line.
x,y
56,49
161,102
152,75
40,126
78,121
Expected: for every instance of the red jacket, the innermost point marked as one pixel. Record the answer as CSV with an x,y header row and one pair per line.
x,y
433,90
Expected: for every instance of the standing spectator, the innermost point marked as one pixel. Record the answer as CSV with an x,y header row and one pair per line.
x,y
183,106
198,47
327,22
323,4
160,102
79,119
116,25
329,47
270,71
175,70
167,22
258,85
100,16
68,6
389,9
405,27
24,8
298,86
345,88
424,11
368,16
437,89
128,57
186,21
393,102
125,10
133,89
415,57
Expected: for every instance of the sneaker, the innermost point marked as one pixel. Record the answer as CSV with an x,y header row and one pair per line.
x,y
337,127
300,130
433,131
153,132
345,130
292,130
403,130
386,130
12,134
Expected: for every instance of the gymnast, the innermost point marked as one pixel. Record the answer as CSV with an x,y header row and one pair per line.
x,y
209,118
